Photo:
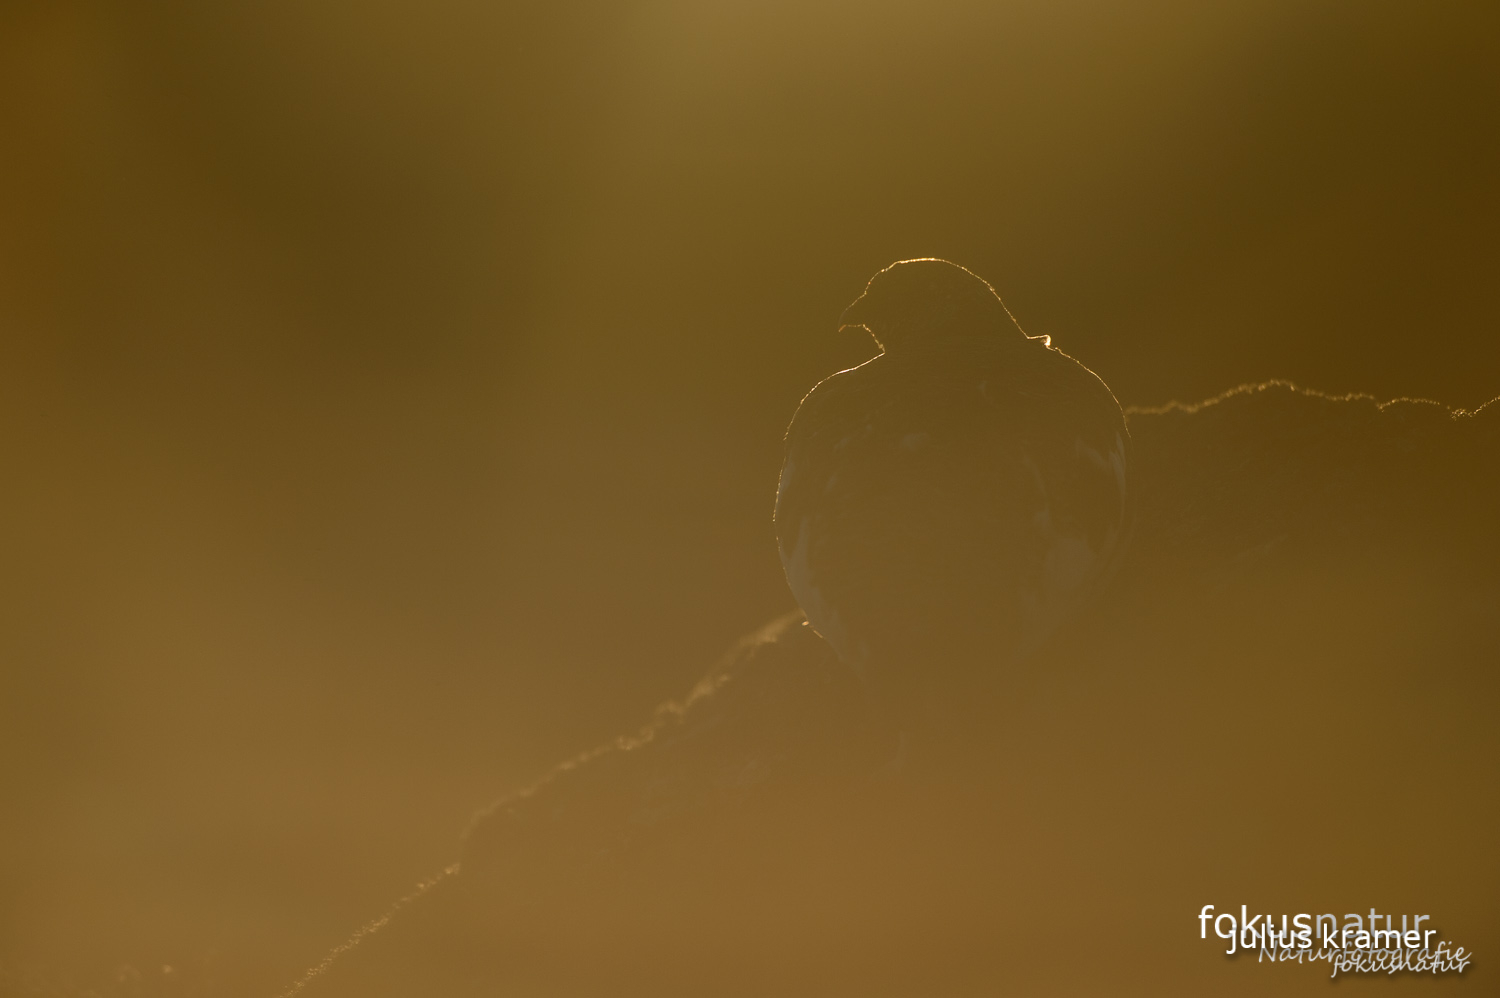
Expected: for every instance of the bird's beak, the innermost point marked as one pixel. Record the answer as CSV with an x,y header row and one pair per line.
x,y
854,315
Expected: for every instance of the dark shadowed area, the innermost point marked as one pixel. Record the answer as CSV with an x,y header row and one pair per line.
x,y
392,394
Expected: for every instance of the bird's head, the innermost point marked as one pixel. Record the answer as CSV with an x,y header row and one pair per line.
x,y
917,303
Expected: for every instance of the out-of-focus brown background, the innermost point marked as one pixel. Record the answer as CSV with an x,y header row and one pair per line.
x,y
391,393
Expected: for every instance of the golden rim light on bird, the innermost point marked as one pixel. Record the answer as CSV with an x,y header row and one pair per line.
x,y
947,281
966,490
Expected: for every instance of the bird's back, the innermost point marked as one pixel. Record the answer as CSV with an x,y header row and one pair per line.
x,y
969,495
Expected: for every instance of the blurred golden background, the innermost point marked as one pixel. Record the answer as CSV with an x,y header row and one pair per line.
x,y
393,393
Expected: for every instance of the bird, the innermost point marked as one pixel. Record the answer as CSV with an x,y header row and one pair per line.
x,y
957,497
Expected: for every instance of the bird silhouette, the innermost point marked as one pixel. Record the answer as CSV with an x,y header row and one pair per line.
x,y
956,497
